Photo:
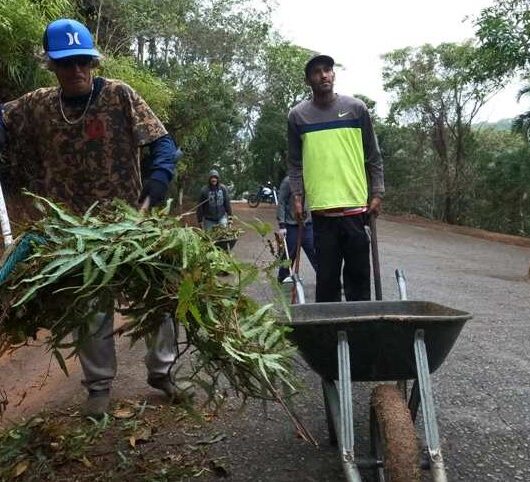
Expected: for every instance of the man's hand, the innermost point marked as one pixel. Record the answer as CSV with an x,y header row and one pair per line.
x,y
282,232
298,207
155,190
230,221
375,206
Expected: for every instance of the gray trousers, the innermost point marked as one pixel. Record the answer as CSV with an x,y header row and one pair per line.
x,y
98,351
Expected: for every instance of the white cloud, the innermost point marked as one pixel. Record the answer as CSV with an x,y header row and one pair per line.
x,y
356,34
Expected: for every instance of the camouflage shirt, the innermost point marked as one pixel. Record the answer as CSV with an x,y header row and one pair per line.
x,y
94,160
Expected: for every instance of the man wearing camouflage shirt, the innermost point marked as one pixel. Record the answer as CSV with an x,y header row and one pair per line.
x,y
79,143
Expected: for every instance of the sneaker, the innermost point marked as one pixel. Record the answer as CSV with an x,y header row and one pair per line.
x,y
97,403
175,392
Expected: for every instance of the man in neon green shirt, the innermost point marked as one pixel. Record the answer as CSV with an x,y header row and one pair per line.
x,y
332,148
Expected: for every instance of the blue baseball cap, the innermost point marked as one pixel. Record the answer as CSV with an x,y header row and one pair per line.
x,y
66,38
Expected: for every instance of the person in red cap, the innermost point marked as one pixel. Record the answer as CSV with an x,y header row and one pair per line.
x,y
331,148
79,143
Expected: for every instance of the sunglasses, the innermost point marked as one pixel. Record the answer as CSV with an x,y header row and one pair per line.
x,y
70,62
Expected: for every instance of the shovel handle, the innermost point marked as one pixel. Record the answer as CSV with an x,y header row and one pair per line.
x,y
375,259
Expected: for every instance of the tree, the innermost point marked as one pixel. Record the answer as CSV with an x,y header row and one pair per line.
x,y
22,23
284,87
498,197
439,90
503,31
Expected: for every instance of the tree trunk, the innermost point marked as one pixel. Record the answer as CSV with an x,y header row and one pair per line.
x,y
140,52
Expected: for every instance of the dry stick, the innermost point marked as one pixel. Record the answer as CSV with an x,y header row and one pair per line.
x,y
300,428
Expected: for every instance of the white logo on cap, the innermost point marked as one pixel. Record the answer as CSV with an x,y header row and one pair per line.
x,y
73,38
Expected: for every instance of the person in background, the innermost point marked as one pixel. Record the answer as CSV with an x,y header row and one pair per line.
x,y
214,207
79,143
331,147
289,228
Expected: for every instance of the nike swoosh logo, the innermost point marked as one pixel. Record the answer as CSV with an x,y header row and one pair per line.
x,y
342,114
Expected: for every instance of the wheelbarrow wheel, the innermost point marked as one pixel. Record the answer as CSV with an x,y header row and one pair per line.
x,y
329,420
253,201
393,437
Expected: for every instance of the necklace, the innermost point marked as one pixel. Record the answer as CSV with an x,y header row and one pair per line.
x,y
82,116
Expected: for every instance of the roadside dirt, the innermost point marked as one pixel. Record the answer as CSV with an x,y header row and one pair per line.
x,y
465,230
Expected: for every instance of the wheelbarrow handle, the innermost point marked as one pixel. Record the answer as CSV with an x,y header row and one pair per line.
x,y
375,258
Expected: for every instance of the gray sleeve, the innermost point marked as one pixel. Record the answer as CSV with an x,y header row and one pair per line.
x,y
294,157
283,201
373,159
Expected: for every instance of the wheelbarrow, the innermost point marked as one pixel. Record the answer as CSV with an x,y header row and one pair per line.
x,y
383,341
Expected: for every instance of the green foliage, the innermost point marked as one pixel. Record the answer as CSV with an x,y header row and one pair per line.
x,y
499,198
503,30
495,195
205,119
284,88
411,176
152,265
22,24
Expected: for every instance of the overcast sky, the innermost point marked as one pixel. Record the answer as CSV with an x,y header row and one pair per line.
x,y
357,33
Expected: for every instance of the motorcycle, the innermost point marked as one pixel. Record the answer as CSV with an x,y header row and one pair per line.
x,y
265,194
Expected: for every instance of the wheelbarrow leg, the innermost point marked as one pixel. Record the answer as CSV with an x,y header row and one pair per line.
x,y
341,408
427,407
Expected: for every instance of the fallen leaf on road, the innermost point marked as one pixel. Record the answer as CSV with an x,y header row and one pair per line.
x,y
124,413
142,435
20,468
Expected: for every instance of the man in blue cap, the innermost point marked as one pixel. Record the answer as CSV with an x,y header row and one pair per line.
x,y
80,143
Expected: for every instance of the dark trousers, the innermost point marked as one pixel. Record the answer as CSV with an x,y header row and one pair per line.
x,y
338,241
307,245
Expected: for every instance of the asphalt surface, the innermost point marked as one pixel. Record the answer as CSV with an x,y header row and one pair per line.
x,y
482,391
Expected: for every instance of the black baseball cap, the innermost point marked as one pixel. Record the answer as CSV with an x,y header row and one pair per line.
x,y
318,59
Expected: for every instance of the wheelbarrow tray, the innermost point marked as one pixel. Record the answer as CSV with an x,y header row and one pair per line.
x,y
380,336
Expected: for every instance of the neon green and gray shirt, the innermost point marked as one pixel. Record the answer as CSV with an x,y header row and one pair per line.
x,y
330,150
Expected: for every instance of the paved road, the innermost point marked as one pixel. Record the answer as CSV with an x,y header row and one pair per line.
x,y
482,392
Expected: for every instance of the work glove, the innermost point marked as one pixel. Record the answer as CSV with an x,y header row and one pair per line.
x,y
282,232
155,190
230,221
